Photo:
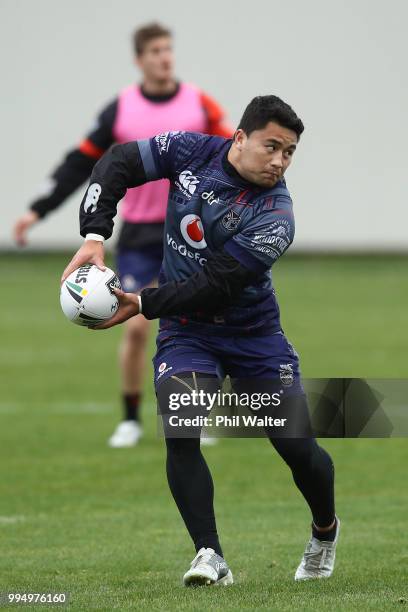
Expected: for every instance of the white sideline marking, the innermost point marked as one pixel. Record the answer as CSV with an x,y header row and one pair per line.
x,y
57,408
65,408
10,520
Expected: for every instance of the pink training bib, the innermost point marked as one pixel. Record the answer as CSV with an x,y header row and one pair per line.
x,y
138,118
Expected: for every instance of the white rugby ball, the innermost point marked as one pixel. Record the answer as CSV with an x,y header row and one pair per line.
x,y
87,296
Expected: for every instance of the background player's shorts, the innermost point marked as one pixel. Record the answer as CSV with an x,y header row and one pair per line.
x,y
270,358
139,268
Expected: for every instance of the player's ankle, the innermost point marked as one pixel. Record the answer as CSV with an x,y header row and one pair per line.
x,y
326,534
131,405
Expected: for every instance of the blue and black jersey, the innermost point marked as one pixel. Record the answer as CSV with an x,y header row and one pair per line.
x,y
219,230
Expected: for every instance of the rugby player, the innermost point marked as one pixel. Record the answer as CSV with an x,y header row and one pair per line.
x,y
160,103
229,218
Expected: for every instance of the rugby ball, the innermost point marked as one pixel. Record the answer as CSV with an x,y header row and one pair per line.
x,y
87,296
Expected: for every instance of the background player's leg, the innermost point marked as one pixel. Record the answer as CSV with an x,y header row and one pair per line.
x,y
188,475
137,269
132,361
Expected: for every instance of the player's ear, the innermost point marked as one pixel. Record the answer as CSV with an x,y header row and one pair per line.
x,y
239,139
138,62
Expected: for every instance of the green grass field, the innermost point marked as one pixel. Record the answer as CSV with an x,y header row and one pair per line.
x,y
78,517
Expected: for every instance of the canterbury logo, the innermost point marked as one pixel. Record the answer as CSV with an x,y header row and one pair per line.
x,y
188,181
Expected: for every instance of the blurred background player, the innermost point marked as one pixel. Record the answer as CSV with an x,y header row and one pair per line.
x,y
160,103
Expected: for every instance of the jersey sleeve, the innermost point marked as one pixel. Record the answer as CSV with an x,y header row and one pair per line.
x,y
264,239
77,166
217,124
100,136
166,153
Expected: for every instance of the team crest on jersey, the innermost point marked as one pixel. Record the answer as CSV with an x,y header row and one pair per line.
x,y
231,221
286,374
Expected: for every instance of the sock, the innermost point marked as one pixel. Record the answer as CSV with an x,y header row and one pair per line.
x,y
325,536
131,404
210,542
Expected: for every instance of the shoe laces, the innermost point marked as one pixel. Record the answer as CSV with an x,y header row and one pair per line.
x,y
316,556
203,556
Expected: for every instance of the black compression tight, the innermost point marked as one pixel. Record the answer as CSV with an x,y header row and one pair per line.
x,y
192,487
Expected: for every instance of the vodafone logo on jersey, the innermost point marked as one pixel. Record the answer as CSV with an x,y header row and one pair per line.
x,y
192,231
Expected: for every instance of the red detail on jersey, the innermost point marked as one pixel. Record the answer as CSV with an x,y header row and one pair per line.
x,y
282,211
183,320
241,195
217,126
87,147
195,230
240,198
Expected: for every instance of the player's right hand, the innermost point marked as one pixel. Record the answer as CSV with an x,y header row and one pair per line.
x,y
92,252
22,226
128,307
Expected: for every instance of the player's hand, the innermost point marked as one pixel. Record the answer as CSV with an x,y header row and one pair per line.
x,y
92,252
128,307
22,225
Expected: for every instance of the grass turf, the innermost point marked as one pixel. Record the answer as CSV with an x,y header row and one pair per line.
x,y
76,516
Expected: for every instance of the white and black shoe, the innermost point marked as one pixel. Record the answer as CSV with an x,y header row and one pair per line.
x,y
207,569
318,558
126,434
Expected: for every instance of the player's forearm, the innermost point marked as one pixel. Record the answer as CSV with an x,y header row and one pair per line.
x,y
71,174
208,291
118,170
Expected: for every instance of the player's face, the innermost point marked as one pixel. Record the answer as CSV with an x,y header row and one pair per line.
x,y
157,60
264,156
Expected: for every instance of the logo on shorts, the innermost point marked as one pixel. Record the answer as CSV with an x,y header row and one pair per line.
x,y
192,231
286,374
231,221
163,369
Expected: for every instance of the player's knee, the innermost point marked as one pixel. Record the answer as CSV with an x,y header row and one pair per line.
x,y
136,330
297,452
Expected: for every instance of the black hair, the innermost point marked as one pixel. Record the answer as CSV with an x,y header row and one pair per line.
x,y
263,109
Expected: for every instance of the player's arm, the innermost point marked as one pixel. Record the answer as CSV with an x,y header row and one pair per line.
x,y
210,290
238,265
73,171
124,166
118,170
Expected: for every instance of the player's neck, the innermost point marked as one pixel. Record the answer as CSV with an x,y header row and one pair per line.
x,y
159,88
233,159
